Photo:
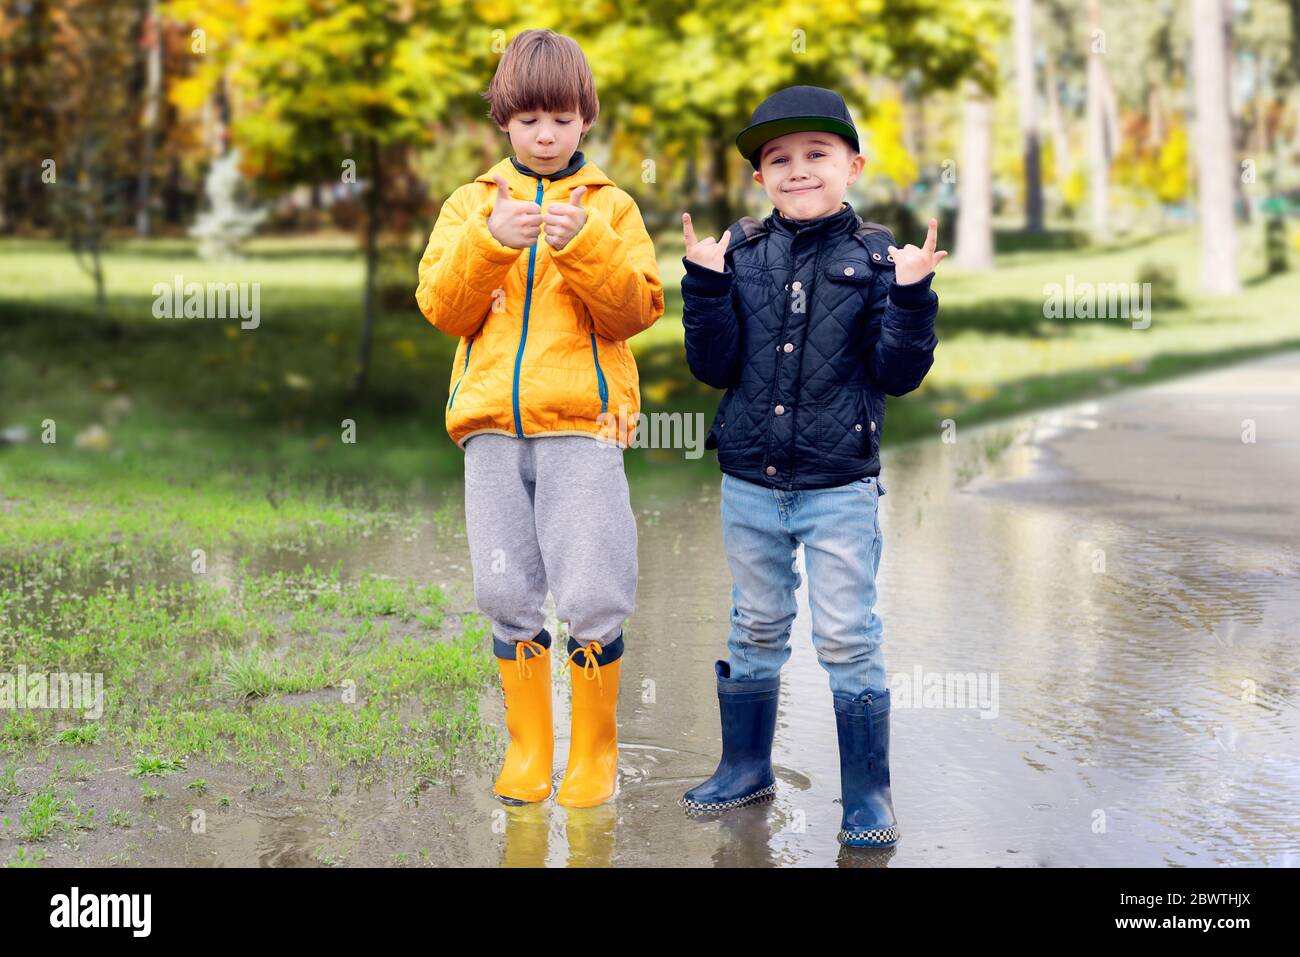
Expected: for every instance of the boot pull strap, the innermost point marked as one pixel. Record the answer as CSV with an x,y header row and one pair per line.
x,y
521,660
871,741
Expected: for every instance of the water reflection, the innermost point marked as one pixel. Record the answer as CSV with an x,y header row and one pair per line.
x,y
1140,647
1118,652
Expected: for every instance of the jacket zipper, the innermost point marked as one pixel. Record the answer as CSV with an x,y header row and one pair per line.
x,y
601,387
469,348
523,335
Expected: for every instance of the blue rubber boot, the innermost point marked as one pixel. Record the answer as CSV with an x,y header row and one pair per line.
x,y
863,726
744,775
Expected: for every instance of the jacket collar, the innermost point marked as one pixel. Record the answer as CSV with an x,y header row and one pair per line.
x,y
579,172
842,220
575,164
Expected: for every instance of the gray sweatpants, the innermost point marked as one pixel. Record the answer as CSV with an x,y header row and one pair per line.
x,y
550,512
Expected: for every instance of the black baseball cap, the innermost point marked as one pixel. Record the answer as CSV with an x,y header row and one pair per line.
x,y
796,109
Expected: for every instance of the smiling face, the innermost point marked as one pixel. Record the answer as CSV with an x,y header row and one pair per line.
x,y
546,141
806,174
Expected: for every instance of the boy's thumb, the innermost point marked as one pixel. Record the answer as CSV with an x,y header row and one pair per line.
x,y
575,196
503,188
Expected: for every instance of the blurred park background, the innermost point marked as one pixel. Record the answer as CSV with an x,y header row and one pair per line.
x,y
167,482
304,148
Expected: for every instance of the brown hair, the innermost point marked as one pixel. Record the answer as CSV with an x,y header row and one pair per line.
x,y
542,70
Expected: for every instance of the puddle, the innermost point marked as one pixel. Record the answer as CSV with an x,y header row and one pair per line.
x,y
1137,644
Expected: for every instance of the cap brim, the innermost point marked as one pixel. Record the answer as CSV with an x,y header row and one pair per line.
x,y
752,137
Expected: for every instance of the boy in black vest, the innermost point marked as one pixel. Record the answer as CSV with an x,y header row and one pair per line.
x,y
808,320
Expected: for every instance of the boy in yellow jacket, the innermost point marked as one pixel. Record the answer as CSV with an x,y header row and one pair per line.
x,y
543,268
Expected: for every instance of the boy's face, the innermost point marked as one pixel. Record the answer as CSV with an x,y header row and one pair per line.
x,y
806,174
546,141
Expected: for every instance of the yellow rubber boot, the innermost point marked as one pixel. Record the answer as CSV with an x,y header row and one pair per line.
x,y
526,679
592,775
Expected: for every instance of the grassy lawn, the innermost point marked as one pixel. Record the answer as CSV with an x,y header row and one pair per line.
x,y
184,664
999,356
282,680
217,434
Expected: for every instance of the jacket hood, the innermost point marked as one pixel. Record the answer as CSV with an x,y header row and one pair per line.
x,y
589,174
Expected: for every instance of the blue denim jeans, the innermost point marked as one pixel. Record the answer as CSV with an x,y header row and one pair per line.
x,y
840,531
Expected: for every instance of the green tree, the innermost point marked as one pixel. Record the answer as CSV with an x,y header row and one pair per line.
x,y
685,76
335,89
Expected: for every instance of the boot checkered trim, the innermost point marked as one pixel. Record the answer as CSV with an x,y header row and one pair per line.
x,y
754,798
881,837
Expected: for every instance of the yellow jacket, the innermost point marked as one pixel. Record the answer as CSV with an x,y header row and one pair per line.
x,y
543,332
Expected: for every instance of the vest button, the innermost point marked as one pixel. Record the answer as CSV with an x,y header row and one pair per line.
x,y
796,285
848,270
857,427
770,470
779,410
873,425
788,347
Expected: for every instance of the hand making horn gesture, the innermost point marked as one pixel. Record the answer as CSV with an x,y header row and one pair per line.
x,y
911,264
563,220
514,222
707,251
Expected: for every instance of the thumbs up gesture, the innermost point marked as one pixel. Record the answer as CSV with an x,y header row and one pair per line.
x,y
707,251
562,221
514,222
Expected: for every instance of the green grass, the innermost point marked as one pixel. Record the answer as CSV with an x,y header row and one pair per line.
x,y
48,810
24,858
225,440
155,766
998,356
199,669
224,445
218,438
79,737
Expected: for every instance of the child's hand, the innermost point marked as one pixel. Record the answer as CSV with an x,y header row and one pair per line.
x,y
911,264
513,222
563,220
706,251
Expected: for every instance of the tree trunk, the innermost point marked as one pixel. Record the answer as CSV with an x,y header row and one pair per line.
x,y
1155,117
373,206
975,184
722,209
171,194
1237,139
1100,146
152,29
89,193
1027,94
101,297
1061,159
4,191
913,132
1214,168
